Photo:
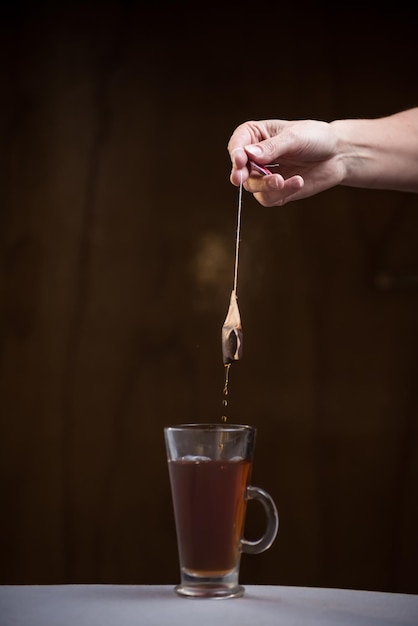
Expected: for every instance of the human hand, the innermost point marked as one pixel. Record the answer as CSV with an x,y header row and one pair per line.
x,y
306,153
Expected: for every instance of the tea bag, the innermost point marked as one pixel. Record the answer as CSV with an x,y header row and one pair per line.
x,y
232,329
232,332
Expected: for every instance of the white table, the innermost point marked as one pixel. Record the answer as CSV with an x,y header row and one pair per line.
x,y
153,605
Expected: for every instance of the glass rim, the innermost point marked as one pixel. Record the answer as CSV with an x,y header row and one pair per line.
x,y
210,427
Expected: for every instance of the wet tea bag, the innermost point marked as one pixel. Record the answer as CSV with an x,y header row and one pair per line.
x,y
232,329
232,332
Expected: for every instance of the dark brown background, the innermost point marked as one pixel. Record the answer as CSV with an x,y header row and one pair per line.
x,y
117,241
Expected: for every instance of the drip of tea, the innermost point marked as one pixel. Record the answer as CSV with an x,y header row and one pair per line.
x,y
225,390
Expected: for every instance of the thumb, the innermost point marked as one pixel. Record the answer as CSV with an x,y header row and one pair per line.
x,y
263,152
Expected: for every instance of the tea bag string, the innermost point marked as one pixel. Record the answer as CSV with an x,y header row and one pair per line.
x,y
238,236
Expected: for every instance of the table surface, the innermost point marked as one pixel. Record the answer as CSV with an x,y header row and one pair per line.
x,y
158,605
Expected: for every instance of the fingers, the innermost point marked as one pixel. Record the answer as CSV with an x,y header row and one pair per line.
x,y
240,167
264,184
262,143
274,190
270,190
261,153
244,136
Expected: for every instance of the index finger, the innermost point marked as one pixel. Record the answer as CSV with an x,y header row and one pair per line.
x,y
240,137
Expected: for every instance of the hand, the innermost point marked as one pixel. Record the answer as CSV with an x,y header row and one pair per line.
x,y
306,153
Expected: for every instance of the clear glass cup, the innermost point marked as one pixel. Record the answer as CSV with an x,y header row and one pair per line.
x,y
210,470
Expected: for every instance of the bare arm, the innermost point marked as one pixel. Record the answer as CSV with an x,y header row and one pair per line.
x,y
380,153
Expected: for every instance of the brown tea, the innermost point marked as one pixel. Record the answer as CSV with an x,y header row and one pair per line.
x,y
209,508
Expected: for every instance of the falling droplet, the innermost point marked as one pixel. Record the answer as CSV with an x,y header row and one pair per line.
x,y
225,390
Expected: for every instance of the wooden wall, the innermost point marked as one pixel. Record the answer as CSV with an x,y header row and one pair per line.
x,y
117,241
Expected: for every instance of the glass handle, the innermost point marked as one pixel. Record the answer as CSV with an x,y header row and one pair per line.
x,y
264,543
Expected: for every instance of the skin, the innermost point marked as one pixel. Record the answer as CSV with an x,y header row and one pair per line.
x,y
314,156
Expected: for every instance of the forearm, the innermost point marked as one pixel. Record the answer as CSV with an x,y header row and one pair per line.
x,y
379,153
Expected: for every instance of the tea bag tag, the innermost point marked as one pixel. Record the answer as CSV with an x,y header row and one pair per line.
x,y
232,332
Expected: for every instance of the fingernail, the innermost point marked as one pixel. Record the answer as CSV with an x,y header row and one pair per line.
x,y
253,150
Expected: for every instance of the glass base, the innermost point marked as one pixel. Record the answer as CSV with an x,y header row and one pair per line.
x,y
209,590
226,586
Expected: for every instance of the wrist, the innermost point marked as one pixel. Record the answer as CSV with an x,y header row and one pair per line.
x,y
349,154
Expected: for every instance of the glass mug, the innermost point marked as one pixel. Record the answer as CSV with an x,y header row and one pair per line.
x,y
210,468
